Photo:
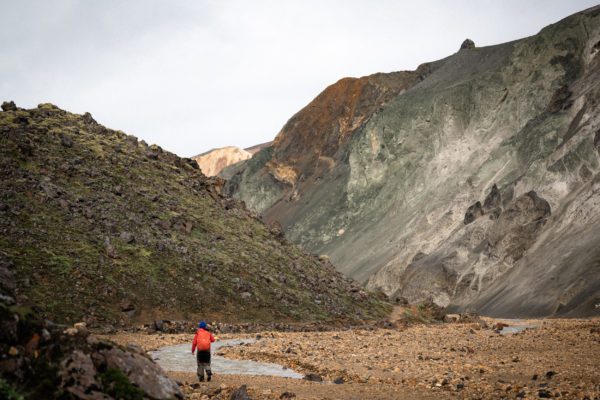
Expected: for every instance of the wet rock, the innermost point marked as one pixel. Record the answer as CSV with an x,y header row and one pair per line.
x,y
467,44
240,393
473,212
9,106
550,374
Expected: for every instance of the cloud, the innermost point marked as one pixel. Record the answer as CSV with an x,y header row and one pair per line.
x,y
193,75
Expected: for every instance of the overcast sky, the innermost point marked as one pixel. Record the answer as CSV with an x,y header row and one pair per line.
x,y
194,75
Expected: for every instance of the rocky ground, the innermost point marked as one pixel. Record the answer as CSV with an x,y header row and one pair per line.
x,y
556,359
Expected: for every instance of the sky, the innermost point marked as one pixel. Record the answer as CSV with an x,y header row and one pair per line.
x,y
195,75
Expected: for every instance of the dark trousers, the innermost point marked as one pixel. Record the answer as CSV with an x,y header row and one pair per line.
x,y
203,361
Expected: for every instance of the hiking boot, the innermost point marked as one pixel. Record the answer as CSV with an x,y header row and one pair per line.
x,y
201,378
208,376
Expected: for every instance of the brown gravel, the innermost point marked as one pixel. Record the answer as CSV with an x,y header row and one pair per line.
x,y
421,361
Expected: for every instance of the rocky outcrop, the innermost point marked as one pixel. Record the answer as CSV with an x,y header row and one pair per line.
x,y
45,360
103,227
212,162
397,181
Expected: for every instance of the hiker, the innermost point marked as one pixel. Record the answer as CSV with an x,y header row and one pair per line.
x,y
202,342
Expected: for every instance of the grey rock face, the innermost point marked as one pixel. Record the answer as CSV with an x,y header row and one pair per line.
x,y
517,117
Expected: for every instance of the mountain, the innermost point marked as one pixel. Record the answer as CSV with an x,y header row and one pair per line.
x,y
98,226
212,162
472,181
258,147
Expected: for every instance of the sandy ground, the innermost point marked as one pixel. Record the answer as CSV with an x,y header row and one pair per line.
x,y
559,358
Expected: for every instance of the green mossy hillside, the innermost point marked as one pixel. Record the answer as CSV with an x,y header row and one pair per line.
x,y
102,227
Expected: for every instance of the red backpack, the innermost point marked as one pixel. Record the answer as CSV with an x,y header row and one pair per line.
x,y
202,340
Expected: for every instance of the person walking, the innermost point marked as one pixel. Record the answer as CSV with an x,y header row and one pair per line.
x,y
202,341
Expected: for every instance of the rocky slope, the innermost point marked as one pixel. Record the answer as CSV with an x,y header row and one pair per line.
x,y
99,226
213,161
379,172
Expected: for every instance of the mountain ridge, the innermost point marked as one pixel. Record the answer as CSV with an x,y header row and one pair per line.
x,y
518,116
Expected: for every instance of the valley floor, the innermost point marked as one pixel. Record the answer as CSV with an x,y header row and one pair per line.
x,y
558,358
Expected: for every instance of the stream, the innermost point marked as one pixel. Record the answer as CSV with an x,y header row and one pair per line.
x,y
517,325
179,358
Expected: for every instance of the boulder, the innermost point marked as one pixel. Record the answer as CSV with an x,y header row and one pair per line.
x,y
240,393
9,106
78,376
313,377
142,372
88,119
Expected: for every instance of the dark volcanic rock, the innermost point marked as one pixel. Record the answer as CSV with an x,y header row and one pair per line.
x,y
493,199
88,119
313,377
467,44
473,212
9,106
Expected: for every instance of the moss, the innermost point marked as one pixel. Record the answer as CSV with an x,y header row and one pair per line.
x,y
117,385
8,392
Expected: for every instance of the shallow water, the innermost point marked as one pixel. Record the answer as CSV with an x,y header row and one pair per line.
x,y
517,325
179,358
